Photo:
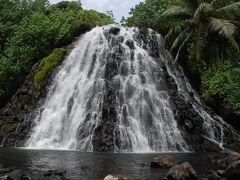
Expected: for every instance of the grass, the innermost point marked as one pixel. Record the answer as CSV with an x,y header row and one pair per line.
x,y
47,64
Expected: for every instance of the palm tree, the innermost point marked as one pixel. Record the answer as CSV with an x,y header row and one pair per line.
x,y
197,22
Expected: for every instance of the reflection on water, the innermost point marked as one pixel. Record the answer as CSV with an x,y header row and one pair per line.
x,y
95,166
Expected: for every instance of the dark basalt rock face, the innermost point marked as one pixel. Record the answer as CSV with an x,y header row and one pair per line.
x,y
106,134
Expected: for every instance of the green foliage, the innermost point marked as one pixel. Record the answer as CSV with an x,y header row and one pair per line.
x,y
47,64
223,81
202,24
147,14
31,29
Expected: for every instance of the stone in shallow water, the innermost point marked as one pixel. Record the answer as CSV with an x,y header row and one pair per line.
x,y
111,177
183,171
162,162
15,174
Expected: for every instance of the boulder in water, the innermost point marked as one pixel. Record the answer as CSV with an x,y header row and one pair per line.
x,y
224,160
162,162
232,156
213,175
232,172
183,171
111,177
114,31
15,174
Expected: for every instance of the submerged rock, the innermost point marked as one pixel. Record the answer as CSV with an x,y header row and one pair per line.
x,y
57,172
183,171
111,177
162,162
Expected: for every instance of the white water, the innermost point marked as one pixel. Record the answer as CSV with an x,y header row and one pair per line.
x,y
145,120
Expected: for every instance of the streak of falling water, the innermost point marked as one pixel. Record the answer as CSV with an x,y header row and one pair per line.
x,y
75,92
73,107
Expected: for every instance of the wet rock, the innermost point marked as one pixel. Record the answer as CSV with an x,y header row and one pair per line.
x,y
59,172
124,69
22,91
111,177
130,44
232,156
213,175
3,170
223,159
16,174
120,39
210,146
232,172
114,31
218,159
85,168
183,171
162,162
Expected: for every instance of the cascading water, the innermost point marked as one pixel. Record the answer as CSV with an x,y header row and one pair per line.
x,y
118,91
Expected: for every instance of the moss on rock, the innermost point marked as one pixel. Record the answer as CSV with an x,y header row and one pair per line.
x,y
47,64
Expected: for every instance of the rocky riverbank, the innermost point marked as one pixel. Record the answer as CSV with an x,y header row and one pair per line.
x,y
229,162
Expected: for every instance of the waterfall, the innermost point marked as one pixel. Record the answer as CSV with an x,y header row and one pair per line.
x,y
119,91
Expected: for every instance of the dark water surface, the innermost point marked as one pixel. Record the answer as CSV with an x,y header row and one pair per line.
x,y
95,166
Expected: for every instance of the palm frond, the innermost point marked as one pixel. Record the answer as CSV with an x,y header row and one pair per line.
x,y
222,27
225,29
234,43
214,1
180,27
229,8
176,11
179,38
203,8
180,48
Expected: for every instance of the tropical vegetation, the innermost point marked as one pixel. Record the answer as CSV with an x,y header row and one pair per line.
x,y
31,29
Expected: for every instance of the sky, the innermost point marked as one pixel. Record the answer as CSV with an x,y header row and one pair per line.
x,y
119,7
